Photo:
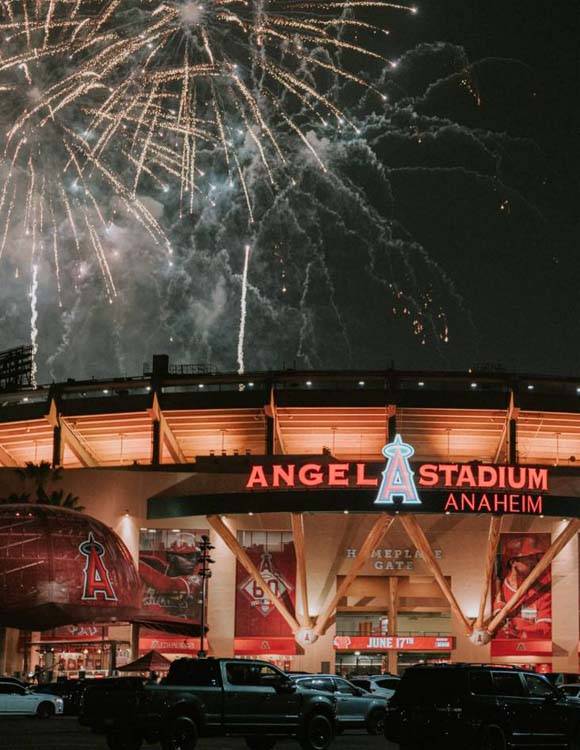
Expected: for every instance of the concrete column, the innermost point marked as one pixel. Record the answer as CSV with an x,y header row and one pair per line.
x,y
565,625
56,447
221,598
156,443
135,631
3,649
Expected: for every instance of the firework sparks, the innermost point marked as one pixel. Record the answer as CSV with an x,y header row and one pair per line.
x,y
243,311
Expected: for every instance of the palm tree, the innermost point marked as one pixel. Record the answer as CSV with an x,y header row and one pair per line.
x,y
39,475
58,498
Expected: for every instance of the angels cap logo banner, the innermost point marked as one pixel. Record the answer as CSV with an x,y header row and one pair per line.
x,y
96,575
398,478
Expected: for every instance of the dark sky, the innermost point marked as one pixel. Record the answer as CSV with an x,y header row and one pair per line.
x,y
524,300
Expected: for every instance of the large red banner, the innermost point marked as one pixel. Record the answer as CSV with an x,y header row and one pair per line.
x,y
382,643
256,616
169,562
531,618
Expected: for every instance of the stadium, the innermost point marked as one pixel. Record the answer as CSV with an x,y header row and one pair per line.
x,y
361,521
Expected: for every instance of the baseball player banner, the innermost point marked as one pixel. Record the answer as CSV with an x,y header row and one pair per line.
x,y
169,563
255,614
531,618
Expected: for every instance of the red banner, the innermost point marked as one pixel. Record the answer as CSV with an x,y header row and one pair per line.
x,y
272,646
394,643
531,618
256,616
168,643
86,633
501,647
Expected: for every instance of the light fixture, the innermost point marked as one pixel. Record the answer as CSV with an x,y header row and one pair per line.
x,y
421,384
309,383
530,387
361,383
474,385
250,385
105,390
251,513
201,385
176,531
578,389
126,512
346,512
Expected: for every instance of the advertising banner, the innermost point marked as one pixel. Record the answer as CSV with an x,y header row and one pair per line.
x,y
169,562
393,643
255,614
531,618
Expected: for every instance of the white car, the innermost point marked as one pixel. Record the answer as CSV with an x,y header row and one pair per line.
x,y
18,700
380,685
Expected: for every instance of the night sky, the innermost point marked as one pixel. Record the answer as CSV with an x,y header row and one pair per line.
x,y
443,234
519,278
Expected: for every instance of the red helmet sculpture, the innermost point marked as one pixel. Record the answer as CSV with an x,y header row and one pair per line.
x,y
59,566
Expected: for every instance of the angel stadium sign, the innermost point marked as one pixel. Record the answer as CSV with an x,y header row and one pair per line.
x,y
428,487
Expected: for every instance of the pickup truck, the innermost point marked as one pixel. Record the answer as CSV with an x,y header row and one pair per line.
x,y
211,698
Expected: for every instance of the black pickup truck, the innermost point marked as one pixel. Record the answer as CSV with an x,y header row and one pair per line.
x,y
211,698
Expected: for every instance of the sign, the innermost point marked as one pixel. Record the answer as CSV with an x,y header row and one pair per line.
x,y
534,647
383,643
257,646
531,619
393,559
169,561
398,482
275,558
167,643
72,633
463,488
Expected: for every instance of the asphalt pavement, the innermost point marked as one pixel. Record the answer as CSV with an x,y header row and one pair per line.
x,y
64,733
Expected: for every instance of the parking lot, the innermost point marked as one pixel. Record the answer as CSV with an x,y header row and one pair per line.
x,y
64,733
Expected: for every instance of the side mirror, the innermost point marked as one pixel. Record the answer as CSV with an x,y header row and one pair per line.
x,y
285,687
554,697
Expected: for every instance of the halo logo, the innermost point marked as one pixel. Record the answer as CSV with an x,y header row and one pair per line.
x,y
96,575
398,482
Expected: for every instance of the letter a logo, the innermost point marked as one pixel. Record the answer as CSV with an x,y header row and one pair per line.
x,y
96,575
398,482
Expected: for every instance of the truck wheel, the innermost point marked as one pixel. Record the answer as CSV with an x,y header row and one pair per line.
x,y
376,723
492,739
260,743
318,734
181,735
45,710
121,738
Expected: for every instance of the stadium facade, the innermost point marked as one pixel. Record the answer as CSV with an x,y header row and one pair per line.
x,y
361,520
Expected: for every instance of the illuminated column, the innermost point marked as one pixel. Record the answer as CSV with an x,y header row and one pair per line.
x,y
565,621
135,629
3,648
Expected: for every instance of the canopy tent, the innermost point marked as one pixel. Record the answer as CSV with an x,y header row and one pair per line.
x,y
152,661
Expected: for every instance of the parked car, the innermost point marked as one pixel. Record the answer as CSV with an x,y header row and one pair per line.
x,y
211,698
572,691
480,707
13,681
355,708
563,678
69,690
18,700
380,685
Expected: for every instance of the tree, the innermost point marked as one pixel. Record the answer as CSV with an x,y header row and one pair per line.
x,y
39,476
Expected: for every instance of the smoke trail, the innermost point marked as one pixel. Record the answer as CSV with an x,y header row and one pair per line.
x,y
243,311
34,322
